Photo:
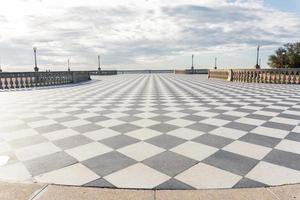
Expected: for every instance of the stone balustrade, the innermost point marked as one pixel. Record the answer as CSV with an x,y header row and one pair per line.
x,y
11,80
282,76
189,71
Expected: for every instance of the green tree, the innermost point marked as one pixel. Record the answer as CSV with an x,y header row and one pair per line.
x,y
287,56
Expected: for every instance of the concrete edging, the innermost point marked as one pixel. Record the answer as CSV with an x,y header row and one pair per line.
x,y
20,191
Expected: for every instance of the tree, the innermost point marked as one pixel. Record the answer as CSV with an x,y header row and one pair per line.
x,y
287,56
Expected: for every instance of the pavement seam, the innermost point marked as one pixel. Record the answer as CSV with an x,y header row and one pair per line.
x,y
268,189
38,193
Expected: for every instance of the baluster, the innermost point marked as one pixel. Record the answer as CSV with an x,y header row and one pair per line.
x,y
17,81
6,83
11,83
298,77
21,80
1,87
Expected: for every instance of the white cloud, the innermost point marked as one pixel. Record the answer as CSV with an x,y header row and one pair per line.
x,y
137,33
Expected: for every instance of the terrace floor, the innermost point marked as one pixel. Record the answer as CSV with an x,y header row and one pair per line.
x,y
161,131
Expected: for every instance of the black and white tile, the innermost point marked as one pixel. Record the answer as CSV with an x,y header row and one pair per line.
x,y
160,131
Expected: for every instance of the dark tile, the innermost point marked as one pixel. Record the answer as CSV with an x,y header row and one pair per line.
x,y
124,128
108,163
166,141
278,126
284,158
248,183
49,163
97,119
231,162
202,127
170,163
173,184
293,136
240,126
164,128
50,128
194,118
213,140
102,183
65,119
73,141
260,117
162,118
260,140
87,128
119,141
226,117
129,118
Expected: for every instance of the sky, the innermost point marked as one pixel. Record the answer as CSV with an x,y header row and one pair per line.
x,y
144,34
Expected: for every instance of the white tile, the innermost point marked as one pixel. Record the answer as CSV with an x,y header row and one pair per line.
x,y
185,133
247,149
12,122
116,115
278,107
180,122
41,123
252,107
228,132
57,115
143,134
172,109
175,114
272,174
87,151
289,145
101,134
35,151
146,115
56,135
4,147
291,112
147,109
194,150
296,129
137,176
236,113
255,122
8,136
110,123
199,108
3,160
86,115
203,176
225,108
266,113
271,132
140,151
215,122
14,172
285,120
74,123
206,114
144,122
76,174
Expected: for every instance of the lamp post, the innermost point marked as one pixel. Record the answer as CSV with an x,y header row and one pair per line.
x,y
192,68
99,67
257,66
36,69
0,65
69,65
216,59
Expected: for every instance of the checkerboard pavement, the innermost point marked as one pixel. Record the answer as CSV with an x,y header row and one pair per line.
x,y
160,131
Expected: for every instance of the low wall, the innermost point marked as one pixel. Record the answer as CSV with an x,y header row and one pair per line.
x,y
283,76
104,72
189,71
11,80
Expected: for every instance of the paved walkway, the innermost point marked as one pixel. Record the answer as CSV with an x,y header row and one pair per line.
x,y
152,131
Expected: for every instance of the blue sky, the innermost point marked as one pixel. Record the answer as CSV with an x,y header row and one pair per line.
x,y
144,34
292,6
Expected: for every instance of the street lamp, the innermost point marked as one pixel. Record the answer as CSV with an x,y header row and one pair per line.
x,y
69,65
192,68
0,65
36,69
257,66
99,68
216,59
